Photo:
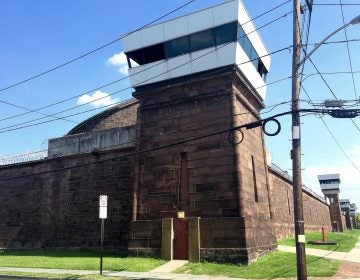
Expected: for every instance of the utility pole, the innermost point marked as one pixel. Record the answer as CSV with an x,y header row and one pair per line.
x,y
296,147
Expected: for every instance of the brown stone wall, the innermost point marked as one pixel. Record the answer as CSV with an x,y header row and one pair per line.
x,y
252,173
222,239
145,238
176,113
343,222
337,218
118,116
221,177
60,209
316,212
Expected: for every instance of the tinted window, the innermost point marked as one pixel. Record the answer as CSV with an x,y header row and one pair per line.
x,y
177,47
225,33
202,40
240,35
254,57
247,46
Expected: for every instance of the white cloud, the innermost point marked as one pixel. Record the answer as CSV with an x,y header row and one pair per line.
x,y
98,99
349,176
119,60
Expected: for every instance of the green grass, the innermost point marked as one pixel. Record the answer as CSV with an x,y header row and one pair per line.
x,y
59,276
274,265
346,240
82,260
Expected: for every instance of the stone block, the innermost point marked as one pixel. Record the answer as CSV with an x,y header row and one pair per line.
x,y
167,236
194,239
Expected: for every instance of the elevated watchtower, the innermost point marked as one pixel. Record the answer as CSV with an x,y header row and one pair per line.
x,y
196,75
329,184
346,209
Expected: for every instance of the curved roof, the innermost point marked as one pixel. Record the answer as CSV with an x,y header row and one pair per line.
x,y
104,114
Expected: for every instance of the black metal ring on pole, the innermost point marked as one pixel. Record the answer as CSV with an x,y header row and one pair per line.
x,y
277,130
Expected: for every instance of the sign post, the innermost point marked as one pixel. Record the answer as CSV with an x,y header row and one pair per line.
x,y
103,199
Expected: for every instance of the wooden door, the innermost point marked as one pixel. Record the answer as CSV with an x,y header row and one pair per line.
x,y
181,243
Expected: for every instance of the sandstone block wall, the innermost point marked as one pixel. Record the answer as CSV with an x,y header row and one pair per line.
x,y
316,212
121,115
60,209
173,114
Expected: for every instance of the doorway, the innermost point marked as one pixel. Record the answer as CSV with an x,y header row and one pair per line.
x,y
181,242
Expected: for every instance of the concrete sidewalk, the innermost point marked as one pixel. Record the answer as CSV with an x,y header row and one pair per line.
x,y
352,256
126,274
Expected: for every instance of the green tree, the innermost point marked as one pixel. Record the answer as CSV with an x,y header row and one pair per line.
x,y
353,205
357,217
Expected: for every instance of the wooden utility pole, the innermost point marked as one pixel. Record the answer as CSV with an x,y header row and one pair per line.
x,y
296,147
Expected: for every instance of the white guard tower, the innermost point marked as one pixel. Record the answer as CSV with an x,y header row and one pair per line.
x,y
208,39
329,184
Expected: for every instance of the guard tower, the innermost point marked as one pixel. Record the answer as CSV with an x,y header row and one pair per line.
x,y
196,75
329,184
352,216
345,208
209,39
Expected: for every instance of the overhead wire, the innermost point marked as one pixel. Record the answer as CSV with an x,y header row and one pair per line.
x,y
181,65
95,50
269,109
333,137
17,126
77,58
145,69
348,50
320,74
31,111
139,152
330,89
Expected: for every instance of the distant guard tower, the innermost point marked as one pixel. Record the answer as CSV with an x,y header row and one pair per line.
x,y
329,184
345,208
196,75
352,216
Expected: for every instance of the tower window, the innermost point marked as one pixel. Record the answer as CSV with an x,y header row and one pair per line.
x,y
202,40
225,33
177,47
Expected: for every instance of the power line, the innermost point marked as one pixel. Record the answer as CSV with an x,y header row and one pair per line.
x,y
11,128
32,111
94,50
333,136
335,4
181,65
269,109
348,50
177,143
148,68
335,42
330,89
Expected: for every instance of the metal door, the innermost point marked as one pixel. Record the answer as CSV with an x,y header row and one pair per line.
x,y
181,243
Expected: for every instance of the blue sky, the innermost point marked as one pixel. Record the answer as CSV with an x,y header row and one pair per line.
x,y
38,35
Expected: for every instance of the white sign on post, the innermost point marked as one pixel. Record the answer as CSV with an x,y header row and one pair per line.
x,y
103,206
103,200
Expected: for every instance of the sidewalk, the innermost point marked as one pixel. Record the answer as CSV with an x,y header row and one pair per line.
x,y
352,256
129,275
163,272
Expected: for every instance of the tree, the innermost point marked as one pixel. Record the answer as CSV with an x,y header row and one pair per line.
x,y
357,217
353,205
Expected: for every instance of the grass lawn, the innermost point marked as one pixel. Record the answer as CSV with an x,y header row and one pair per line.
x,y
274,265
59,276
82,260
346,240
